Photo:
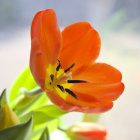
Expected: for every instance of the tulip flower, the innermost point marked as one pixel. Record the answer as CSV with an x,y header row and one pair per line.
x,y
87,131
63,64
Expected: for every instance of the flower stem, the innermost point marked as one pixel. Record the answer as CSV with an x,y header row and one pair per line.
x,y
34,92
27,98
91,117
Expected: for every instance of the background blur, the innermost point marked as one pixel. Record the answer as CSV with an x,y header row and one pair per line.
x,y
118,22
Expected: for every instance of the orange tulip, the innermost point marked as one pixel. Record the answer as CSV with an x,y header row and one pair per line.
x,y
63,64
87,131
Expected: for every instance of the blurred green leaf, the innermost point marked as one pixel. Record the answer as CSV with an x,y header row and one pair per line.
x,y
38,129
45,135
35,103
25,80
131,25
47,116
114,21
43,114
17,132
3,99
42,101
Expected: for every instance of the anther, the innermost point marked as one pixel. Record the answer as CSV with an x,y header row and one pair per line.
x,y
76,81
59,65
68,69
52,77
71,93
61,88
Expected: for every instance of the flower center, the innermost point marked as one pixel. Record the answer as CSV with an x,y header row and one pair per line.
x,y
59,80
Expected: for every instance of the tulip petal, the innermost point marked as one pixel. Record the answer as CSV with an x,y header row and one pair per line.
x,y
45,43
87,131
104,83
91,92
97,73
81,44
72,104
38,63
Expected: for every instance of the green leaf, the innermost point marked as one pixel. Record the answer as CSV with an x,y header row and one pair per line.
x,y
38,129
45,135
17,132
3,99
42,101
43,114
46,116
25,80
33,103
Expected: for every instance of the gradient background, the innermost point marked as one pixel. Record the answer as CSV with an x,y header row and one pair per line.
x,y
118,22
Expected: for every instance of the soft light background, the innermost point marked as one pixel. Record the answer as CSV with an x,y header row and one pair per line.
x,y
118,22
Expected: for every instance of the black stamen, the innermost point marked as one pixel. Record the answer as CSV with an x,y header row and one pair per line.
x,y
59,65
71,93
68,69
52,77
77,81
61,88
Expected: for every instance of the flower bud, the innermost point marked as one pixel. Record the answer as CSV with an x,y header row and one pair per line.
x,y
7,117
23,102
27,98
87,131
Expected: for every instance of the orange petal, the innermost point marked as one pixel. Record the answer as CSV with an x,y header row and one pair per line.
x,y
82,103
81,44
38,63
72,104
45,42
97,73
90,107
91,92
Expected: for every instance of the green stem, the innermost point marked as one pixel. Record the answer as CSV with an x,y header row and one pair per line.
x,y
91,117
34,92
25,100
